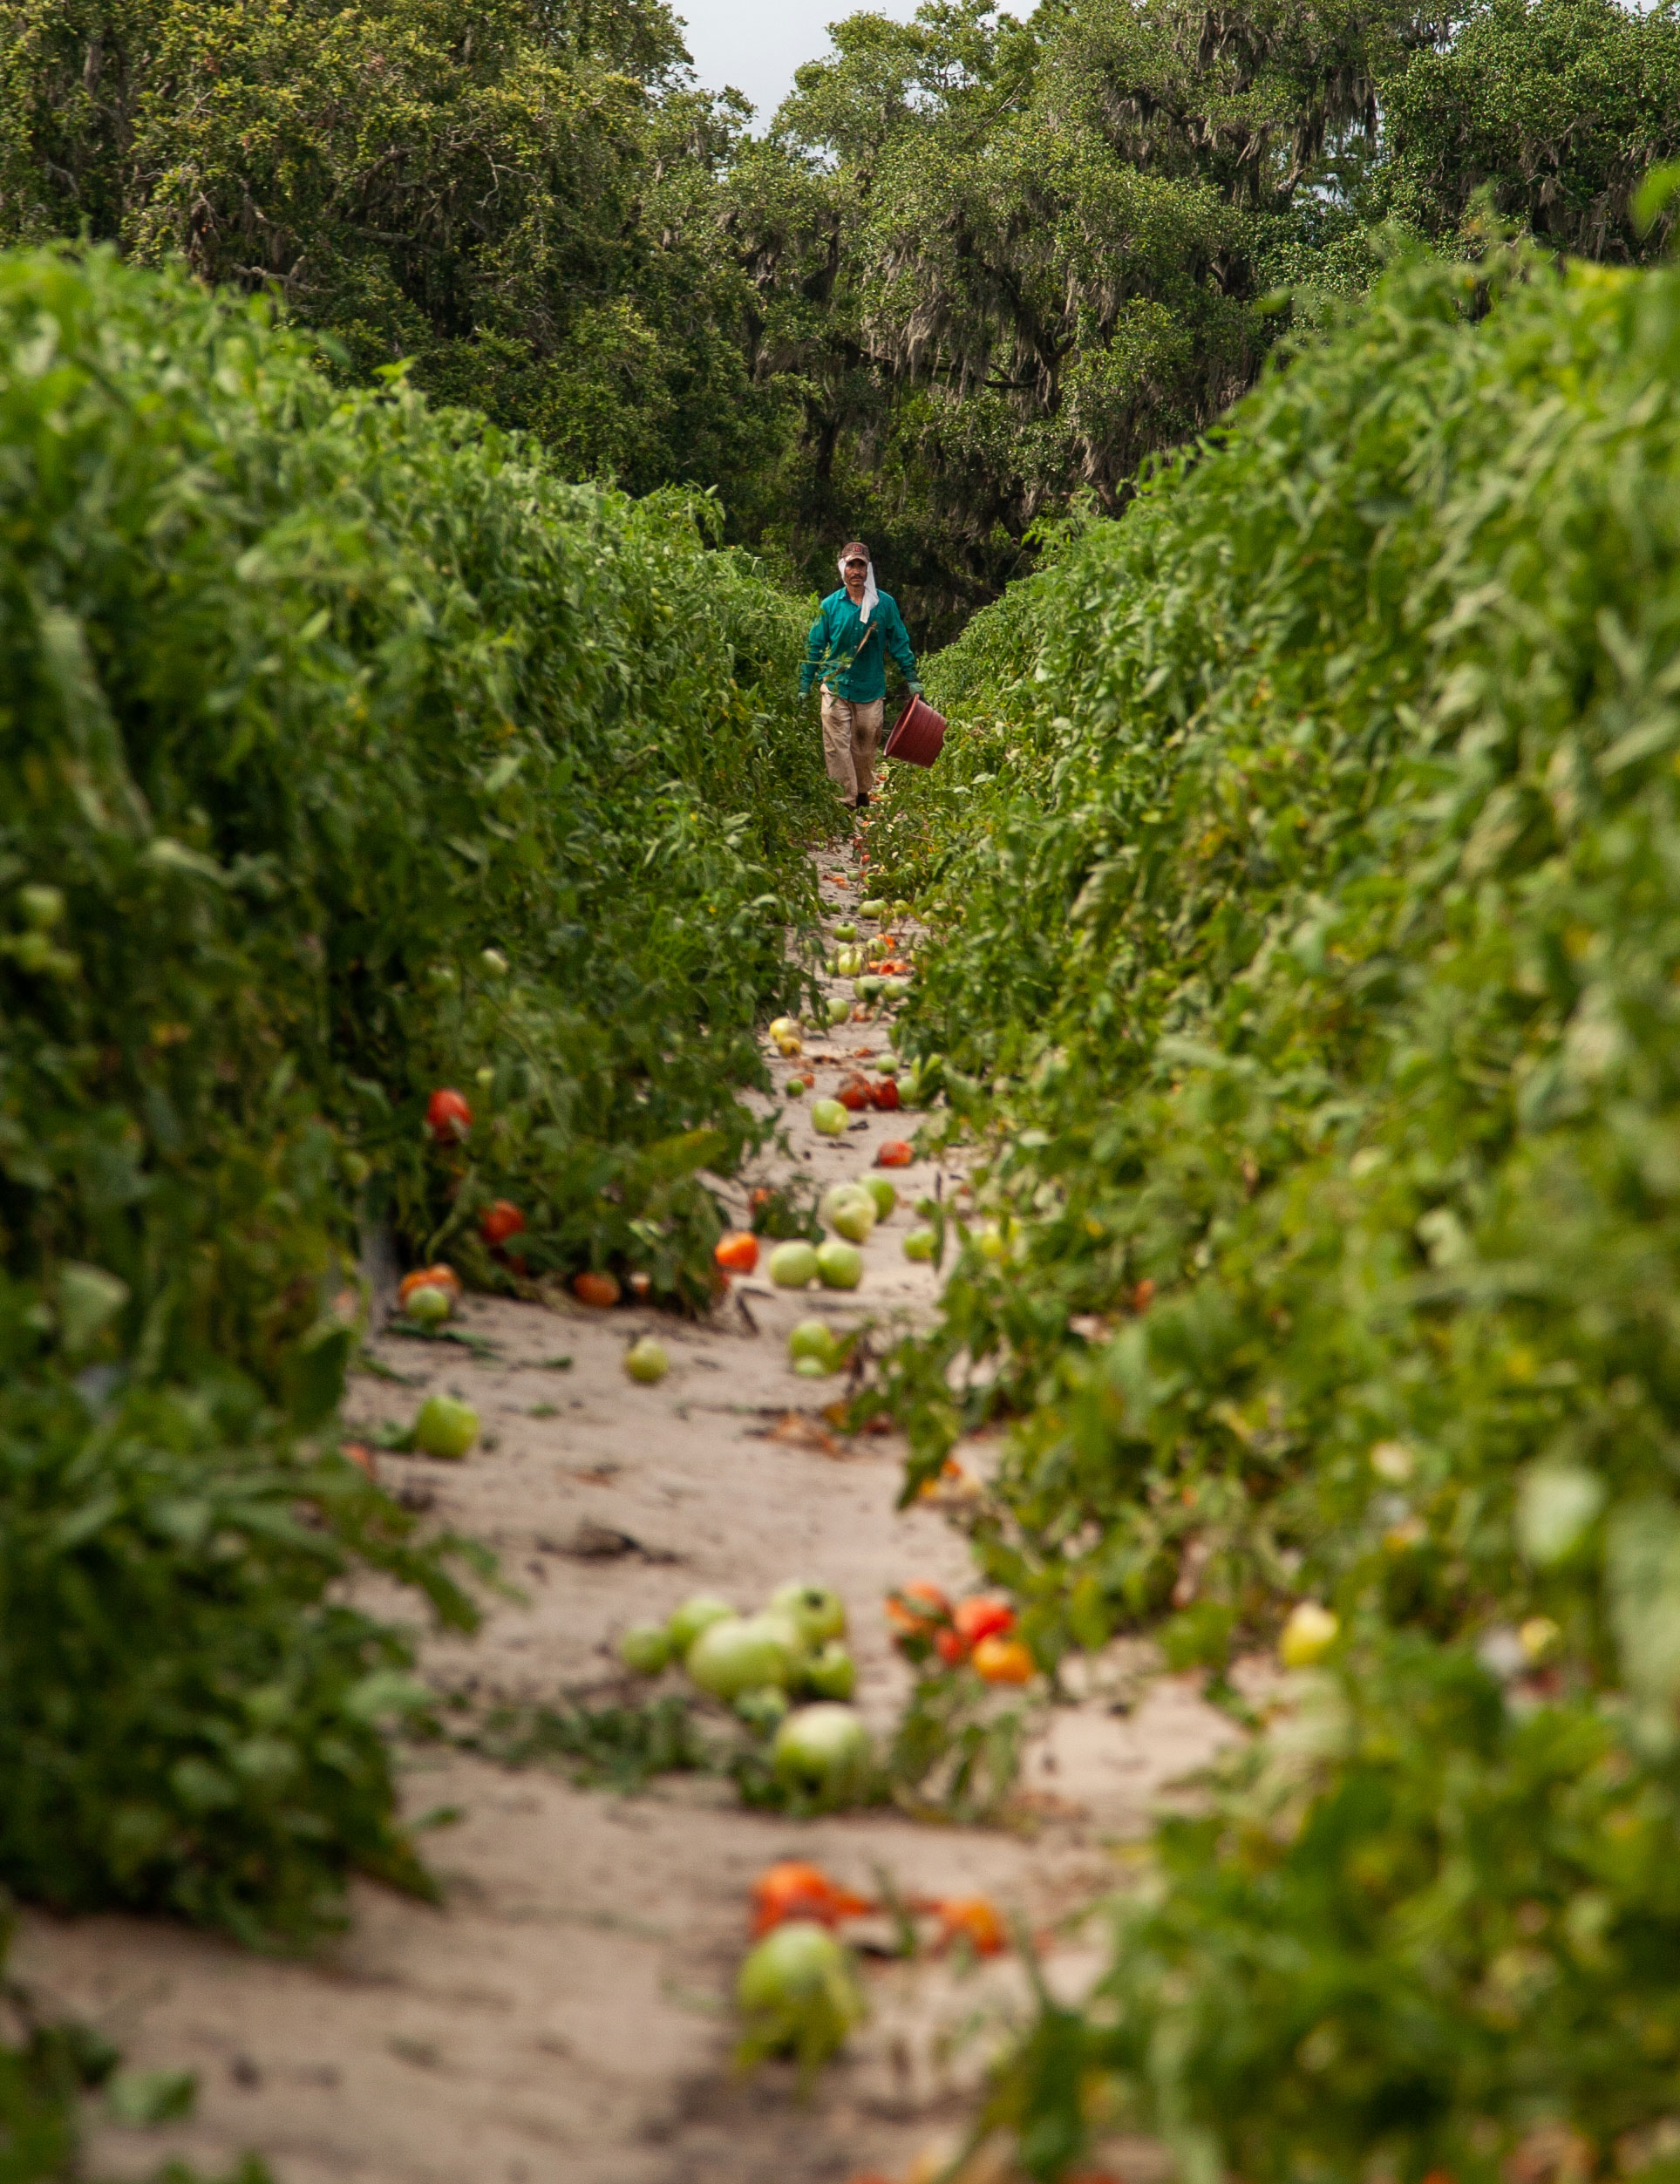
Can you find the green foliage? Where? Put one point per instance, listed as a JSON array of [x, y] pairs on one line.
[[474, 190], [1309, 972], [308, 701]]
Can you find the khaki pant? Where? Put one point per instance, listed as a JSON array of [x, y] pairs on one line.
[[850, 734]]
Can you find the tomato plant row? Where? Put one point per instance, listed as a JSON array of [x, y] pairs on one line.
[[350, 753], [1309, 972]]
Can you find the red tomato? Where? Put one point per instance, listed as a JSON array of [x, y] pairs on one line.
[[950, 1649], [599, 1289], [1004, 1661], [853, 1093], [447, 1116], [973, 1919], [500, 1221], [886, 1095], [738, 1253], [793, 1889], [983, 1617], [893, 1153]]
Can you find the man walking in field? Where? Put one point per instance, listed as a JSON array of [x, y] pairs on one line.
[[846, 652]]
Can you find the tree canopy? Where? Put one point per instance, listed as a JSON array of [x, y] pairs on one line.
[[975, 270]]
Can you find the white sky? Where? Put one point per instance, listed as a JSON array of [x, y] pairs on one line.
[[756, 44]]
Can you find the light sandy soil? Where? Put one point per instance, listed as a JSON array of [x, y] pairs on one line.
[[563, 2018]]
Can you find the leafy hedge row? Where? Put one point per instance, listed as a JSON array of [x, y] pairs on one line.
[[348, 753], [1311, 966]]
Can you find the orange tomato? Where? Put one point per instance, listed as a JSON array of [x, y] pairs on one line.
[[973, 1919], [893, 1153], [360, 1454], [498, 1221], [738, 1253], [917, 1609], [1004, 1661], [983, 1615], [600, 1290], [793, 1889], [853, 1093], [438, 1277], [886, 1095]]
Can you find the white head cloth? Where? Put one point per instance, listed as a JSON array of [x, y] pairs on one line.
[[870, 595]]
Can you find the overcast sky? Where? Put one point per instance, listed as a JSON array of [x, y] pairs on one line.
[[756, 44]]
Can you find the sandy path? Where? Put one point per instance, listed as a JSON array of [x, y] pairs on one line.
[[562, 2019]]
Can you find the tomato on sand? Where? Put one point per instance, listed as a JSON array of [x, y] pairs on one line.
[[600, 1290], [446, 1428], [972, 1919], [793, 1889], [437, 1278], [1004, 1661], [854, 1093], [982, 1615], [501, 1221], [738, 1252], [893, 1153], [646, 1360], [447, 1116], [429, 1305], [886, 1095]]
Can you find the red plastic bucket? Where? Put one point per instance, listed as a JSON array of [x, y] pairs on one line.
[[918, 734]]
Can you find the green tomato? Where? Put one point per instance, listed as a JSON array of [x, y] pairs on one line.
[[446, 1428], [868, 988], [428, 1306], [894, 989], [829, 1119], [838, 1010], [824, 1751], [691, 1618], [830, 1672], [813, 1338], [646, 1648], [846, 932], [874, 909], [742, 1653], [815, 1368], [901, 908], [839, 1265], [799, 1991], [919, 1245], [646, 1360], [885, 1196], [793, 1266], [794, 1088], [817, 1614], [494, 962], [855, 1219]]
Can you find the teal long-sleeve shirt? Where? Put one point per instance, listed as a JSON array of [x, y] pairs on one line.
[[849, 654]]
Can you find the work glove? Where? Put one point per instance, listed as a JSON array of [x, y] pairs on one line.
[[915, 688]]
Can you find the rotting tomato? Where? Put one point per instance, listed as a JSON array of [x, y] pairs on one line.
[[853, 1093], [793, 1889], [886, 1095], [601, 1290], [738, 1252], [893, 1153], [498, 1221], [447, 1116]]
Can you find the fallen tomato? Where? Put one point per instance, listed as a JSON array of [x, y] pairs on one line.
[[886, 1095], [498, 1221], [601, 1290], [982, 1615], [446, 1428], [1004, 1661], [738, 1252], [438, 1277], [854, 1093], [972, 1919], [447, 1116], [793, 1889], [893, 1153]]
